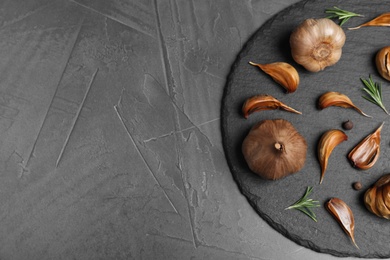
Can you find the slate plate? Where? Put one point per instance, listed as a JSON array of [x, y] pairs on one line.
[[269, 198]]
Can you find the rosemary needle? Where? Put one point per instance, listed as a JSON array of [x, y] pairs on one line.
[[305, 204], [341, 14], [374, 90]]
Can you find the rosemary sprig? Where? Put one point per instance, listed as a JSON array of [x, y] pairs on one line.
[[340, 14], [305, 204], [374, 90]]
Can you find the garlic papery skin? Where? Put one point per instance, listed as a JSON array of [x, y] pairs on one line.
[[317, 43], [382, 61]]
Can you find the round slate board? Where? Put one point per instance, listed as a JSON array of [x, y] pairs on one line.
[[269, 198]]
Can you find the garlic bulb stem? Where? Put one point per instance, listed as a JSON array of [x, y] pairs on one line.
[[279, 147]]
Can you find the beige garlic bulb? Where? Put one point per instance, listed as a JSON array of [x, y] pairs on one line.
[[274, 149], [317, 43]]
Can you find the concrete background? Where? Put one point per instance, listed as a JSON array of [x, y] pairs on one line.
[[110, 131]]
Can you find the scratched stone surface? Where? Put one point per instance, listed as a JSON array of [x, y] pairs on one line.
[[110, 140]]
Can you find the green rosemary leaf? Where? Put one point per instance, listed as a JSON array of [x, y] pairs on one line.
[[369, 99], [340, 14], [374, 91], [344, 20], [304, 204], [308, 212]]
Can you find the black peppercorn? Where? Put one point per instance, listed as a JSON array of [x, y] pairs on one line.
[[347, 125], [357, 185]]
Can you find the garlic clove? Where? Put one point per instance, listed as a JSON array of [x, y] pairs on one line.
[[381, 20], [370, 200], [329, 140], [343, 215], [264, 102], [338, 99], [274, 149], [386, 195], [317, 43], [382, 61], [366, 153], [377, 197], [281, 72], [381, 205]]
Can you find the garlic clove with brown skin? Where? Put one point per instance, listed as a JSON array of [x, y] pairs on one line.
[[317, 43], [380, 20], [343, 215], [370, 200], [386, 195], [264, 102], [328, 141], [381, 204], [281, 72], [377, 197], [366, 153], [338, 99], [273, 149], [382, 61]]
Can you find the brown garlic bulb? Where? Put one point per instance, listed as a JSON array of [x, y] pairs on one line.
[[377, 197], [382, 61], [274, 149], [317, 43]]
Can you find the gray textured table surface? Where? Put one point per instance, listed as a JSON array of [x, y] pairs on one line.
[[110, 131]]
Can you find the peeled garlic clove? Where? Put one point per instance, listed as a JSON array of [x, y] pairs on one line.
[[329, 140], [338, 99], [274, 149], [365, 154], [377, 197], [264, 102], [343, 215], [381, 20], [317, 43], [382, 61], [283, 73]]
